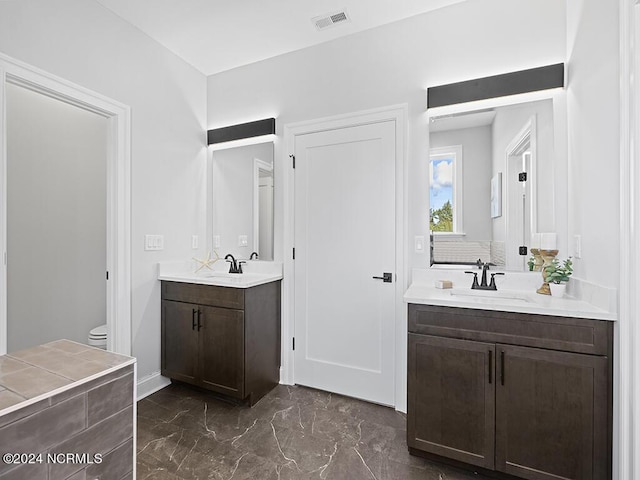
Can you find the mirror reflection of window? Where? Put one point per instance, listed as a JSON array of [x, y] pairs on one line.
[[445, 200], [441, 195]]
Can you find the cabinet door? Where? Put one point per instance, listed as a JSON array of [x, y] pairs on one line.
[[451, 404], [222, 350], [551, 414], [179, 341]]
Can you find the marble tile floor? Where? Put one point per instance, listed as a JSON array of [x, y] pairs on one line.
[[292, 433]]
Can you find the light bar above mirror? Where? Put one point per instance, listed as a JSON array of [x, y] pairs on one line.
[[258, 128], [513, 83]]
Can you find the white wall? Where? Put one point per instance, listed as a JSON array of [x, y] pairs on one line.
[[593, 108], [82, 42], [56, 214], [391, 65], [593, 116], [476, 177]]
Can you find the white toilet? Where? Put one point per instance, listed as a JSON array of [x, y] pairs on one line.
[[98, 337]]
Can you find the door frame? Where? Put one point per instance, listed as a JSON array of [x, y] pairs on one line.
[[118, 118], [529, 130], [626, 421], [398, 114]]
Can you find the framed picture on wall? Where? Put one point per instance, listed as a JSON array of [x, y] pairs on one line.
[[496, 195]]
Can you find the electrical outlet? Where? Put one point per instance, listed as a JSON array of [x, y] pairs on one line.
[[194, 241], [243, 241], [154, 242]]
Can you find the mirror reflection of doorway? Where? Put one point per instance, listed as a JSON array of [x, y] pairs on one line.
[[521, 160], [263, 209], [56, 219]]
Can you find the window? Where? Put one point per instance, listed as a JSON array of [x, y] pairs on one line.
[[445, 189]]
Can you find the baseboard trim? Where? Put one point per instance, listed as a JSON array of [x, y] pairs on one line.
[[283, 380], [151, 384]]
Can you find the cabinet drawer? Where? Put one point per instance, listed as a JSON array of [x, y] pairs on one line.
[[556, 333], [212, 295]]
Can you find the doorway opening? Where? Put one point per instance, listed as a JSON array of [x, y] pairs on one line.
[[56, 220], [116, 117]]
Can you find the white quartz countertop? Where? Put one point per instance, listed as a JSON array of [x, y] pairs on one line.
[[519, 296], [254, 273]]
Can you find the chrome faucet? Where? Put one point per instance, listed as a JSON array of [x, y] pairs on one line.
[[483, 282]]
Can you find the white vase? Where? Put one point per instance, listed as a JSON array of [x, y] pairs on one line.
[[558, 289]]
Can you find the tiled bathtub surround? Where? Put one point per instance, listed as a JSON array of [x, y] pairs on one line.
[[291, 433], [454, 249], [67, 398]]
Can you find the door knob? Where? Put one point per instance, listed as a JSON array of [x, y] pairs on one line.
[[386, 277]]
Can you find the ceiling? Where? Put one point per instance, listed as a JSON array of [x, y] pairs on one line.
[[218, 35]]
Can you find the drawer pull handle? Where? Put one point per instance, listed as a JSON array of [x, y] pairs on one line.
[[193, 319], [502, 367], [490, 365]]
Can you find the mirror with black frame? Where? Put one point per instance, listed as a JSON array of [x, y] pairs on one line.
[[242, 201], [491, 179]]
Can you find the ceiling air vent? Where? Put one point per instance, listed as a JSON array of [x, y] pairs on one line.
[[330, 19]]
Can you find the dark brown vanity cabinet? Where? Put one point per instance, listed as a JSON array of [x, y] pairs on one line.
[[221, 338], [451, 400], [526, 395]]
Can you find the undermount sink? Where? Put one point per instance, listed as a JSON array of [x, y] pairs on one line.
[[258, 273], [491, 296], [233, 276]]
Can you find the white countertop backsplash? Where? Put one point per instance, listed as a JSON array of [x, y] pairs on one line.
[[255, 272], [516, 293]]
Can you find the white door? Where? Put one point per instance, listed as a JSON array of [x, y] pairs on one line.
[[344, 236]]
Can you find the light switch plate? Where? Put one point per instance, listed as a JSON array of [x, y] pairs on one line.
[[194, 241], [418, 242], [243, 241], [154, 242], [577, 246]]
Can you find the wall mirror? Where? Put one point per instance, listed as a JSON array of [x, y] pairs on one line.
[[491, 178], [492, 166], [242, 197]]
